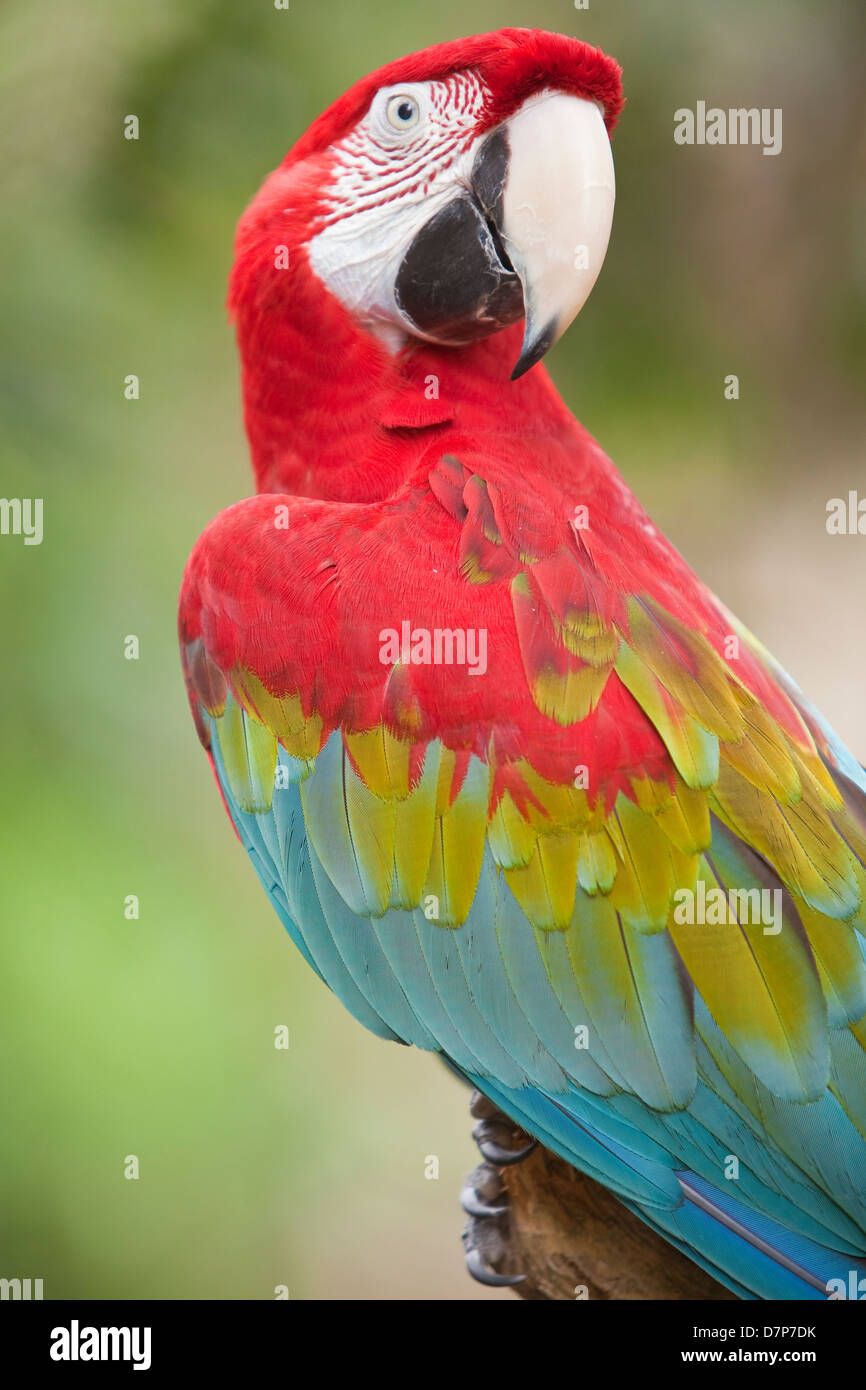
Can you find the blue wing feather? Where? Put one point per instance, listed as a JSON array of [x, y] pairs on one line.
[[506, 1019]]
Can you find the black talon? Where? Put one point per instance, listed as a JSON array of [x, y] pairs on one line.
[[498, 1153], [474, 1206], [504, 1158], [481, 1271]]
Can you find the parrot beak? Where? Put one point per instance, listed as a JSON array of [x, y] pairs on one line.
[[556, 212], [524, 236]]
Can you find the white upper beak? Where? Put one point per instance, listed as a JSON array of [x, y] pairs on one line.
[[557, 211]]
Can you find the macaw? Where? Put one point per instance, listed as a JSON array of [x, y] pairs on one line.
[[521, 789]]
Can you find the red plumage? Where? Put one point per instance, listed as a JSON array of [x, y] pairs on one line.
[[305, 607], [332, 414]]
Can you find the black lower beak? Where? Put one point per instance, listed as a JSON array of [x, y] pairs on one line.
[[456, 283]]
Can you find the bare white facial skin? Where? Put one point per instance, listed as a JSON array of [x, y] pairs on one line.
[[391, 178]]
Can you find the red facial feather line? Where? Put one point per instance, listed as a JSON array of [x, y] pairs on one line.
[[368, 171]]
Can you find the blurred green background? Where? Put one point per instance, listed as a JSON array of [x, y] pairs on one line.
[[154, 1037]]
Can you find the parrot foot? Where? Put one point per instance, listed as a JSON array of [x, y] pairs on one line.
[[484, 1198], [484, 1240], [493, 1132]]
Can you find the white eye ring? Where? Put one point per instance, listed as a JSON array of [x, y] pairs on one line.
[[403, 111]]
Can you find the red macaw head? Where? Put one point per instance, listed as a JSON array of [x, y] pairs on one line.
[[449, 194]]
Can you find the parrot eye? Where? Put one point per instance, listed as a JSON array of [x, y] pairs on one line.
[[403, 112]]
